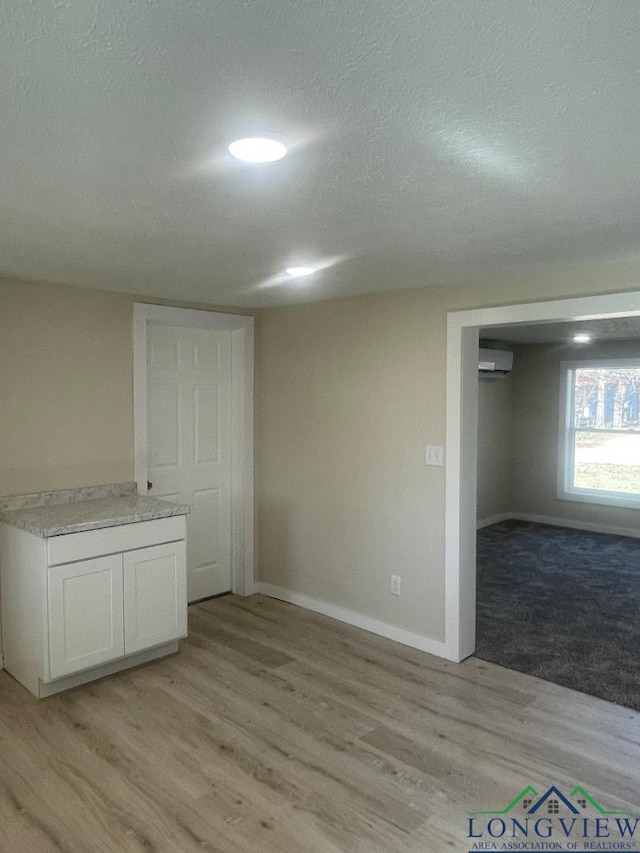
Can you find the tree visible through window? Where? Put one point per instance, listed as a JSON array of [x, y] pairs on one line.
[[602, 430]]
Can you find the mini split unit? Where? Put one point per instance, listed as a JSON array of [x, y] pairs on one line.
[[494, 362]]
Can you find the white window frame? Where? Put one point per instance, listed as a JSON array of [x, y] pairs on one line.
[[566, 491]]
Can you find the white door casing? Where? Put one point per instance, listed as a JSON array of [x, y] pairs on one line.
[[189, 443], [216, 374]]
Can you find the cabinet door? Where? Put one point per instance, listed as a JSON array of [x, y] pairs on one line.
[[85, 614], [155, 596]]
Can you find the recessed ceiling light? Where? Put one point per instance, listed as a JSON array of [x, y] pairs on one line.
[[299, 272], [257, 149], [581, 338]]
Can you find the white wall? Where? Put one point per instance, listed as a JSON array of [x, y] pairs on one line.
[[495, 446]]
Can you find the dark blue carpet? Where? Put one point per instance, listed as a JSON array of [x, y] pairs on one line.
[[563, 605]]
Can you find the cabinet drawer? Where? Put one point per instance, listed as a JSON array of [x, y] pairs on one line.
[[110, 540]]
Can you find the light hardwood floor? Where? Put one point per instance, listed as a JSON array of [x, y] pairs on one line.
[[276, 729]]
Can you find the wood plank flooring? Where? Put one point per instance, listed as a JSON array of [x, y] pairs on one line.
[[276, 729]]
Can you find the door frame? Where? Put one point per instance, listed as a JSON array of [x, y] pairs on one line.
[[242, 383], [462, 440]]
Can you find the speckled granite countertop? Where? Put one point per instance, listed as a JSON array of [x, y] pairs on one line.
[[74, 516]]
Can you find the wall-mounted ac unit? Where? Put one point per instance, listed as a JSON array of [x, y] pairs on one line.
[[494, 362]]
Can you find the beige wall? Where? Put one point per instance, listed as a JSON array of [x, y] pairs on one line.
[[66, 386], [348, 397], [65, 363], [495, 446], [536, 399], [348, 393]]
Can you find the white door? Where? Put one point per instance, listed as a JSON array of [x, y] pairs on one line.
[[189, 443], [155, 596], [85, 614]]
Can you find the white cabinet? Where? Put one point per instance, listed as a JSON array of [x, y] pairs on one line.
[[82, 605], [86, 609], [155, 592]]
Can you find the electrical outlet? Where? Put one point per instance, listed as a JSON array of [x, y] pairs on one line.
[[396, 583], [434, 455]]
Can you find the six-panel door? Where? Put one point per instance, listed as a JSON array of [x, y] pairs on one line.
[[155, 596], [85, 614], [189, 443]]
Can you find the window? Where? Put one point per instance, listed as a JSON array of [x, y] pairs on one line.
[[599, 436]]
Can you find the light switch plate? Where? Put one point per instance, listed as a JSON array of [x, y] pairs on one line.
[[434, 455]]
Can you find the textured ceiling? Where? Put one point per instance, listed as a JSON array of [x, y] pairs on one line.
[[609, 329], [432, 141]]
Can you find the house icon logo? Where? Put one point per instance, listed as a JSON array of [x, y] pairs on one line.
[[556, 819], [530, 802]]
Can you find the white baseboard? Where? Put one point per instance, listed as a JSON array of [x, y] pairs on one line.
[[494, 519], [359, 620], [409, 638], [577, 525], [590, 527]]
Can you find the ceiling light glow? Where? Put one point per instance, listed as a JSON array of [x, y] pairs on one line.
[[257, 149], [581, 338], [299, 272]]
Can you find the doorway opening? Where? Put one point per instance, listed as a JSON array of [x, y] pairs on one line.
[[462, 438], [558, 547]]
